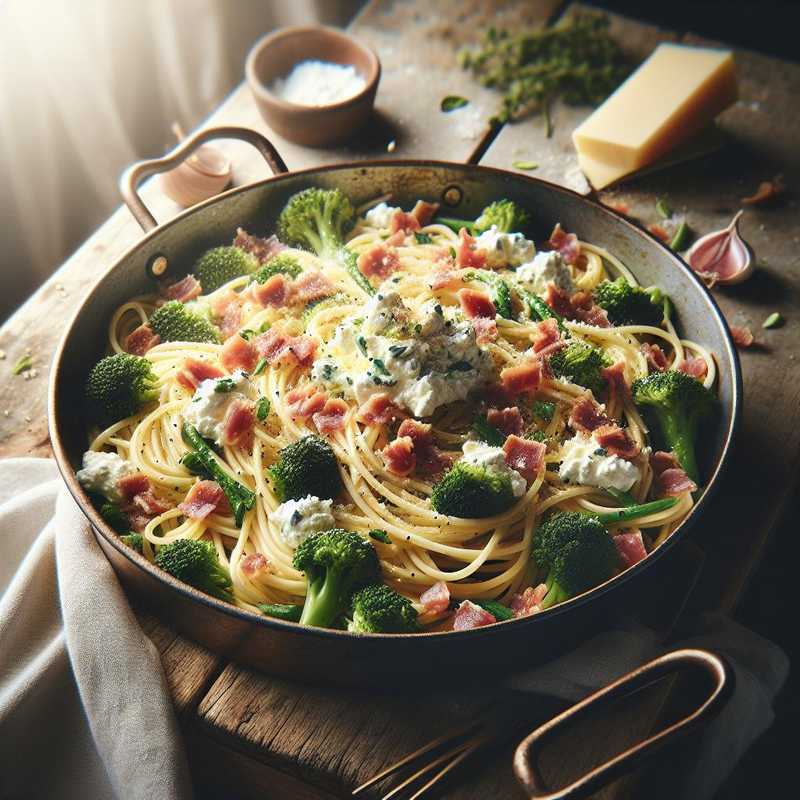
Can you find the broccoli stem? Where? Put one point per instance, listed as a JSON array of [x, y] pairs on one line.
[[501, 293], [456, 224], [538, 309], [323, 600], [240, 497], [555, 594], [678, 433], [626, 498], [497, 610], [634, 512], [351, 265], [284, 611]]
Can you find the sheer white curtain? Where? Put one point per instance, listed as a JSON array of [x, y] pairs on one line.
[[87, 86]]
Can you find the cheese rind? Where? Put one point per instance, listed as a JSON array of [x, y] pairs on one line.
[[676, 93]]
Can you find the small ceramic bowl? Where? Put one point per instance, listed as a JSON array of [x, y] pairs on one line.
[[274, 56]]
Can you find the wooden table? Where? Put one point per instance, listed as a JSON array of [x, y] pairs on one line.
[[253, 736]]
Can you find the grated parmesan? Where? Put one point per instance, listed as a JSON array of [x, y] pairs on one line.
[[318, 83]]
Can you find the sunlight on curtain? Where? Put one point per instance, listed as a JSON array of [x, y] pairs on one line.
[[87, 86]]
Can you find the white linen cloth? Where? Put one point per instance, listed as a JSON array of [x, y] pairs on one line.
[[84, 707]]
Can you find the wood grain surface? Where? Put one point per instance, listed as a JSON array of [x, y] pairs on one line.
[[282, 740]]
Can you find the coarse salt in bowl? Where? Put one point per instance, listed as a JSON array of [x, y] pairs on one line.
[[313, 85]]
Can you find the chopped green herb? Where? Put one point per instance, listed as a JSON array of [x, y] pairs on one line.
[[362, 344], [487, 432], [526, 165], [601, 451], [262, 409], [452, 102], [264, 327], [381, 536], [23, 365], [663, 208], [774, 320], [536, 436], [452, 252], [247, 334], [681, 238], [380, 366], [224, 385], [398, 350], [544, 410], [422, 238], [500, 612], [260, 367]]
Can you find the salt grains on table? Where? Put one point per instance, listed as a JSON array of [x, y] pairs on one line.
[[318, 83]]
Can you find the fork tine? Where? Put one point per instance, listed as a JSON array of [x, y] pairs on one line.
[[473, 745], [413, 756], [427, 768]]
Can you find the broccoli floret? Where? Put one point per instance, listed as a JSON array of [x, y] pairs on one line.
[[379, 609], [133, 540], [307, 466], [119, 386], [508, 216], [195, 562], [285, 611], [581, 363], [282, 264], [471, 491], [222, 264], [679, 401], [500, 291], [336, 563], [115, 517], [487, 432], [578, 553], [626, 304], [317, 220], [176, 322]]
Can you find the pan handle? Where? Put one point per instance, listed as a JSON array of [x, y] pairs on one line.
[[526, 756], [135, 173]]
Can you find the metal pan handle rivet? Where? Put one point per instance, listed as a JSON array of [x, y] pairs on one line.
[[157, 265], [452, 195], [526, 756]]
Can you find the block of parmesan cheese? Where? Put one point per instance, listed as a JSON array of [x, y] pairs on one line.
[[674, 95]]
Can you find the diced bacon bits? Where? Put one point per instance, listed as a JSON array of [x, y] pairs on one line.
[[506, 420], [184, 290], [696, 367], [429, 458], [444, 277], [529, 601], [615, 378], [140, 340], [656, 357], [238, 354], [311, 286], [546, 335], [469, 615], [330, 418], [378, 410], [565, 243], [485, 329], [278, 347], [424, 212], [468, 255], [399, 456], [305, 401], [586, 415], [193, 372], [273, 292], [617, 442], [262, 249], [402, 221], [379, 260], [203, 499], [630, 547], [131, 485], [139, 501], [742, 336], [436, 599], [524, 455], [238, 424], [397, 239], [255, 565], [579, 307], [227, 310], [523, 378], [669, 478], [476, 304]]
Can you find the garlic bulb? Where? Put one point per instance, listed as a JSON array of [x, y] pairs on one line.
[[722, 256]]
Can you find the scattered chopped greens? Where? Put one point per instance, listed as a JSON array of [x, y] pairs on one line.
[[224, 385], [526, 165], [544, 410], [380, 366], [497, 610], [536, 436], [247, 334], [774, 320], [422, 238], [452, 102], [487, 432], [381, 536], [260, 367], [577, 61], [23, 365], [362, 344], [663, 208], [262, 409], [681, 238]]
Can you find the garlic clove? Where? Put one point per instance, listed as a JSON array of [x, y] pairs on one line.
[[723, 256]]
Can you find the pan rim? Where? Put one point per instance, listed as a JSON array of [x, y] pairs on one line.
[[243, 615]]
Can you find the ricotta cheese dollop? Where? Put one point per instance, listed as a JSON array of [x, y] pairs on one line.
[[586, 463], [206, 410], [380, 215], [298, 519], [101, 473], [546, 267], [494, 460], [505, 249]]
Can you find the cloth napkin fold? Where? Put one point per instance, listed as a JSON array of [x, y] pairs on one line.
[[84, 707]]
